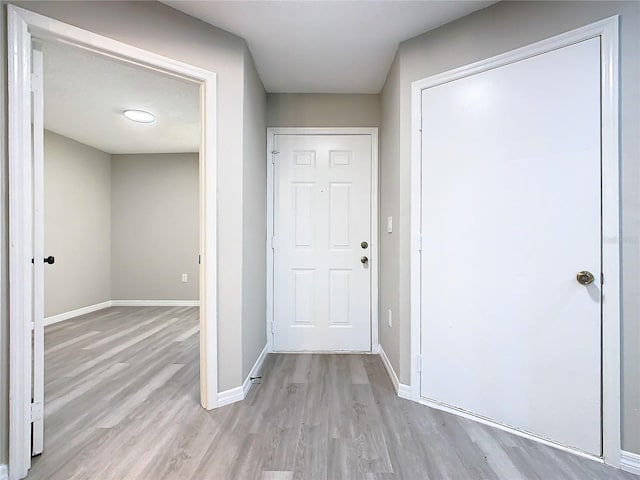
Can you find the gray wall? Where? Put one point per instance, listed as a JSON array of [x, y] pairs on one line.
[[77, 224], [154, 226], [254, 218], [389, 283], [494, 30], [322, 110]]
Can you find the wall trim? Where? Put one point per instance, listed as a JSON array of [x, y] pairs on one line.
[[76, 313], [404, 391], [22, 24], [608, 32], [4, 472], [257, 366], [230, 396], [630, 462], [118, 303], [237, 394], [272, 132], [389, 368], [155, 303]]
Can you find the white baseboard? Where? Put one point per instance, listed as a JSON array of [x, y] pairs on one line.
[[238, 394], [630, 462], [118, 303], [404, 391], [4, 472], [246, 385], [155, 303], [232, 395], [75, 313], [389, 368]]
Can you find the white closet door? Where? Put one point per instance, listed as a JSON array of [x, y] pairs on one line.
[[511, 212]]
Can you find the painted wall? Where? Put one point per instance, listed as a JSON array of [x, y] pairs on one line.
[[77, 224], [154, 226], [254, 218], [500, 28], [322, 110], [389, 283]]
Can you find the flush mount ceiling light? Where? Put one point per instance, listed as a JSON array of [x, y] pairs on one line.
[[139, 116]]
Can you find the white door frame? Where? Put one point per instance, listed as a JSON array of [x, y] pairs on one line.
[[607, 30], [271, 159], [22, 26]]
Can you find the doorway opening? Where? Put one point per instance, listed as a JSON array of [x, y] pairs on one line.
[[24, 29]]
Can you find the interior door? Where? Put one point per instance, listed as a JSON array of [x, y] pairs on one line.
[[511, 213], [322, 237], [37, 406]]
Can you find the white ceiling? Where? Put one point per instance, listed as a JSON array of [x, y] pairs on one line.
[[326, 46], [85, 94], [298, 47]]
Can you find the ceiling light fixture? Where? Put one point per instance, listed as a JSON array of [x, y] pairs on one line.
[[139, 116]]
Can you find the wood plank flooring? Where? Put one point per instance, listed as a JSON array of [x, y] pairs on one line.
[[122, 402]]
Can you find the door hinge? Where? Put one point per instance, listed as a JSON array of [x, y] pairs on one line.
[[419, 363], [419, 242], [272, 332], [601, 278], [273, 243], [33, 326], [273, 156], [36, 412]]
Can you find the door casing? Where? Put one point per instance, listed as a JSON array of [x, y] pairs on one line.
[[271, 158], [22, 26], [607, 30]]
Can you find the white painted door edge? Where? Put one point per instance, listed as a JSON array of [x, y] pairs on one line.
[[4, 472], [607, 30], [375, 234], [22, 24]]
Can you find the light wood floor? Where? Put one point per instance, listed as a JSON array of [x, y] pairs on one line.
[[122, 403]]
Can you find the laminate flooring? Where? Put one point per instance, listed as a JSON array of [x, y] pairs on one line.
[[122, 402]]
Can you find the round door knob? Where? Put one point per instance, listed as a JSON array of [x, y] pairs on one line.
[[585, 278], [364, 260]]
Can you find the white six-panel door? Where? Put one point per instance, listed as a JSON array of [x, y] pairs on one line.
[[511, 212], [322, 216]]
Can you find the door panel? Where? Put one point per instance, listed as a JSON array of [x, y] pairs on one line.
[[510, 214], [37, 439], [322, 212]]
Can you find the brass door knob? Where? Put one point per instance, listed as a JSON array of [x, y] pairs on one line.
[[585, 278], [364, 260]]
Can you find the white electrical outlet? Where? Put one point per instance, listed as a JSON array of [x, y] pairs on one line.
[[185, 278], [389, 224], [390, 318]]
